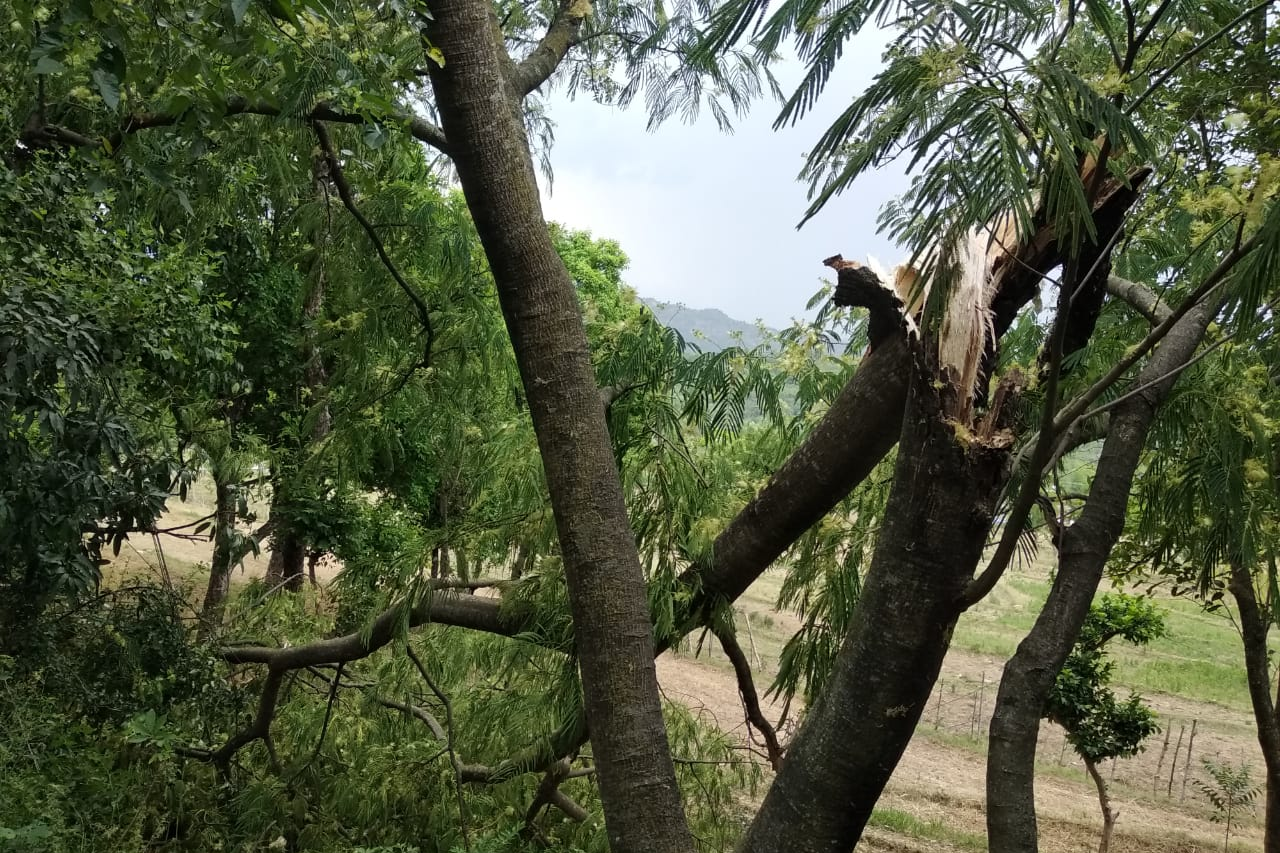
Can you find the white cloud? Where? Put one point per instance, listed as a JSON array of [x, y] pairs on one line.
[[709, 218]]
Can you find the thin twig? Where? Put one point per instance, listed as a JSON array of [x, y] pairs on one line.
[[453, 757], [348, 201]]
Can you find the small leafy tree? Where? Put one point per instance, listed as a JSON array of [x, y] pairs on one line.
[[1231, 788], [1099, 725]]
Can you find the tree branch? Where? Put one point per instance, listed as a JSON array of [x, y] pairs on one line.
[[349, 202], [1140, 298], [444, 608], [1080, 404], [453, 755], [562, 34], [42, 135], [750, 699]]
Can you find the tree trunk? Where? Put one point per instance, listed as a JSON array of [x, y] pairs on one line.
[[479, 106], [1108, 816], [1254, 625], [933, 533], [862, 425], [524, 558], [1085, 546], [215, 596], [286, 568]]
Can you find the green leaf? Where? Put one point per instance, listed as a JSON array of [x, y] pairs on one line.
[[49, 65], [283, 10], [238, 8]]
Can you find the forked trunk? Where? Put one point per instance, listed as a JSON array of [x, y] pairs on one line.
[[1085, 546], [480, 108], [934, 530]]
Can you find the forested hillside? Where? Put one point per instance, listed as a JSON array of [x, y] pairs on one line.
[[708, 328], [350, 505]]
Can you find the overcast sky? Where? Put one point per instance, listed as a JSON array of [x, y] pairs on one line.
[[708, 219]]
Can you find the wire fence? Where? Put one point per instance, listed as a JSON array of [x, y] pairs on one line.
[[1169, 767]]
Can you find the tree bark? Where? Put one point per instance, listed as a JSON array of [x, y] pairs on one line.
[[286, 568], [1085, 546], [862, 425], [933, 533], [480, 108], [1104, 802], [1254, 626], [215, 596]]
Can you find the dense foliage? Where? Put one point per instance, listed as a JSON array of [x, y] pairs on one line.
[[239, 267]]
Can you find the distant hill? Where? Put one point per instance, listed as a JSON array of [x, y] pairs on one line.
[[709, 328]]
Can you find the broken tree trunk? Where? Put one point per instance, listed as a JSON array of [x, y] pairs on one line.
[[933, 533]]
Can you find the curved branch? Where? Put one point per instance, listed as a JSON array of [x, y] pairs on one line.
[[1140, 298], [444, 608], [42, 135], [541, 63], [349, 202], [750, 699]]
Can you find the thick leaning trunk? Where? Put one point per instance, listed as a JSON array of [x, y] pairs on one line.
[[1082, 556], [935, 527], [1254, 625], [215, 596], [479, 106], [860, 428]]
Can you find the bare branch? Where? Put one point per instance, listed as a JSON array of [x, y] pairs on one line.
[[1140, 298], [349, 202], [442, 608], [453, 755], [1191, 54], [42, 135], [549, 794], [541, 63], [747, 691]]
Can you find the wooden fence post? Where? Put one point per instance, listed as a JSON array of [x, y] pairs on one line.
[[1186, 766]]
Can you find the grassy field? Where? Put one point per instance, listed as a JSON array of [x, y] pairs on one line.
[[1199, 658]]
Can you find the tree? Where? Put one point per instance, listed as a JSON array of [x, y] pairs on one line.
[[1213, 473], [1035, 135], [84, 327], [1098, 725], [1230, 789]]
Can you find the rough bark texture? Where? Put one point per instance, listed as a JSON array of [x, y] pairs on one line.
[[479, 106], [1085, 547], [861, 426], [215, 596], [935, 526], [1253, 629]]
